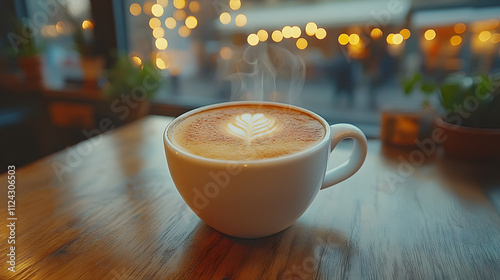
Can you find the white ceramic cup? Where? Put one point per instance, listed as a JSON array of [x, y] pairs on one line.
[[257, 198]]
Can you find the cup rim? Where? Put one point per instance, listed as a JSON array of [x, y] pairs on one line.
[[326, 137]]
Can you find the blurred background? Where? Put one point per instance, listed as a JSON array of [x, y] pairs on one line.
[[71, 69]]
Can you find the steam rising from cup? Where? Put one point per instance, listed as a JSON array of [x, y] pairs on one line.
[[267, 73]]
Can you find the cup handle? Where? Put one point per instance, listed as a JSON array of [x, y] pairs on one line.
[[356, 159]]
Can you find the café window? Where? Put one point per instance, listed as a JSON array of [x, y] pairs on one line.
[[355, 53]]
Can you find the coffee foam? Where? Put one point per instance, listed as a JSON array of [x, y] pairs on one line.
[[246, 132]]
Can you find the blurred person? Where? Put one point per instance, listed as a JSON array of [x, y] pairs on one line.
[[341, 73]]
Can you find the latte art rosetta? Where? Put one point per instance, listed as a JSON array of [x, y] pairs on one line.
[[251, 126]]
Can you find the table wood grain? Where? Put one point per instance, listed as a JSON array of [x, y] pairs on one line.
[[114, 213]]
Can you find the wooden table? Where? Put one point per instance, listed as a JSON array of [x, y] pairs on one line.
[[107, 209]]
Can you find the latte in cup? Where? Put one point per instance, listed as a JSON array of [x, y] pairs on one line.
[[247, 132]]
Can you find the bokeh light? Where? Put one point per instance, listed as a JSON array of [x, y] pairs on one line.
[[287, 32], [158, 32], [170, 23], [240, 20], [455, 40], [154, 22], [179, 4], [389, 38], [343, 39], [484, 36], [160, 63], [405, 32], [301, 43], [397, 39], [184, 31], [194, 6], [277, 36], [163, 3], [320, 33], [135, 9], [311, 28], [180, 15], [296, 32], [226, 53], [353, 39], [429, 34], [191, 22], [137, 61], [157, 10], [376, 33], [253, 39], [87, 24], [225, 18], [460, 28], [234, 4], [161, 43], [146, 7], [263, 35]]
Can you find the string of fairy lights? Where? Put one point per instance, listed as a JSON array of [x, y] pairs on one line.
[[184, 18]]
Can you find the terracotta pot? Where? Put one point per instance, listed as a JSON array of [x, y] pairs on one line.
[[92, 68], [470, 142], [32, 68]]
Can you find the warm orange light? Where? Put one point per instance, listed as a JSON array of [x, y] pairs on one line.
[[170, 23], [225, 18], [147, 6], [460, 28], [179, 4], [320, 33], [287, 31], [137, 61], [60, 27], [163, 3], [253, 39], [226, 53], [405, 32], [376, 33], [389, 38], [301, 43], [191, 22], [397, 39], [455, 40], [184, 31], [135, 9], [157, 10], [194, 6], [87, 24], [495, 38], [234, 4], [161, 43], [240, 20], [154, 23], [353, 39], [263, 35], [343, 39], [158, 32], [277, 36], [296, 32], [484, 36], [429, 34], [311, 28], [160, 63], [180, 15]]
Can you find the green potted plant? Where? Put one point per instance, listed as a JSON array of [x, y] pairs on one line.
[[28, 55], [130, 86], [469, 107]]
